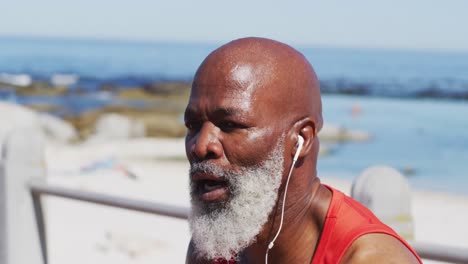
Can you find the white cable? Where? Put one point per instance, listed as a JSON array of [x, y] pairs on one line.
[[272, 243]]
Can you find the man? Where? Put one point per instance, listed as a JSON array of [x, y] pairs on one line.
[[250, 101]]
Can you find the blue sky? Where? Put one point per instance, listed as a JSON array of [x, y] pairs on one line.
[[417, 24]]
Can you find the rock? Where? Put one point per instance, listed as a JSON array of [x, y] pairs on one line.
[[16, 79], [14, 116], [50, 127], [56, 129], [326, 149], [331, 133], [167, 88], [335, 133], [64, 79], [115, 127], [357, 135]]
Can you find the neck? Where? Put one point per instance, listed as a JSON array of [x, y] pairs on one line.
[[305, 210]]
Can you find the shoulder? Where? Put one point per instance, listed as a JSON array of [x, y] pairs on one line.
[[378, 248]]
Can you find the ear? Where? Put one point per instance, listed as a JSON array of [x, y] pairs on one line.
[[307, 129]]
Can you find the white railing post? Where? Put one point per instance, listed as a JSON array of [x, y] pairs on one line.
[[386, 192], [22, 159]]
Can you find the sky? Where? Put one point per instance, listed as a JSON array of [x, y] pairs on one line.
[[397, 24]]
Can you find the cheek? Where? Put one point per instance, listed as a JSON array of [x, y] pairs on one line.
[[251, 149]]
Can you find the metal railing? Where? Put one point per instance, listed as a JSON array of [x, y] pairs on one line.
[[441, 253], [425, 250], [39, 188]]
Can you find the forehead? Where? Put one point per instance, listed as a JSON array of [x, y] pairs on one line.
[[211, 97], [234, 87]]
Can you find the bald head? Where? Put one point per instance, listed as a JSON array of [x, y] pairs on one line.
[[250, 101], [250, 92], [268, 71]]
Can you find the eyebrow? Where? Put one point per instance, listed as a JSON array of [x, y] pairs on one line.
[[230, 111], [221, 111]]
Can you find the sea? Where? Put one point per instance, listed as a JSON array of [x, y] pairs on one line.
[[413, 103]]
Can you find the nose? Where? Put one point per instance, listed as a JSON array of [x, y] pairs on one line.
[[206, 144]]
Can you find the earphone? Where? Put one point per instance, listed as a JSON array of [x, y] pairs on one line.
[[300, 143]]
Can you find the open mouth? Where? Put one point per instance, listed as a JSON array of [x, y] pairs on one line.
[[210, 188]]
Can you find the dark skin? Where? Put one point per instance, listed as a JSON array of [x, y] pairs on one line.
[[247, 94]]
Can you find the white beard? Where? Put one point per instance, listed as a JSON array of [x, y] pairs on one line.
[[227, 229]]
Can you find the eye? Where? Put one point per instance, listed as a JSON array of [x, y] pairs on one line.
[[227, 126], [192, 126]]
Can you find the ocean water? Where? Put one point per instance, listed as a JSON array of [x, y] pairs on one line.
[[101, 60], [413, 103], [427, 136], [388, 73]]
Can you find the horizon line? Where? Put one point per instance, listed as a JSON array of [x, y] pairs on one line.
[[218, 43]]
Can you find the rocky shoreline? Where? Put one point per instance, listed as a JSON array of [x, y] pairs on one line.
[[114, 112], [157, 106]]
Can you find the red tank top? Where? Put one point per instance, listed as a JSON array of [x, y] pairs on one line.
[[346, 221]]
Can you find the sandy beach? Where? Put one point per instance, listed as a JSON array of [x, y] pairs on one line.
[[80, 232]]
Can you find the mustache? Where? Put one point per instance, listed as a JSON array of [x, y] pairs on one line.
[[209, 168]]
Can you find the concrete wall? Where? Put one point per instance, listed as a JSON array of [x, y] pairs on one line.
[[22, 159]]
